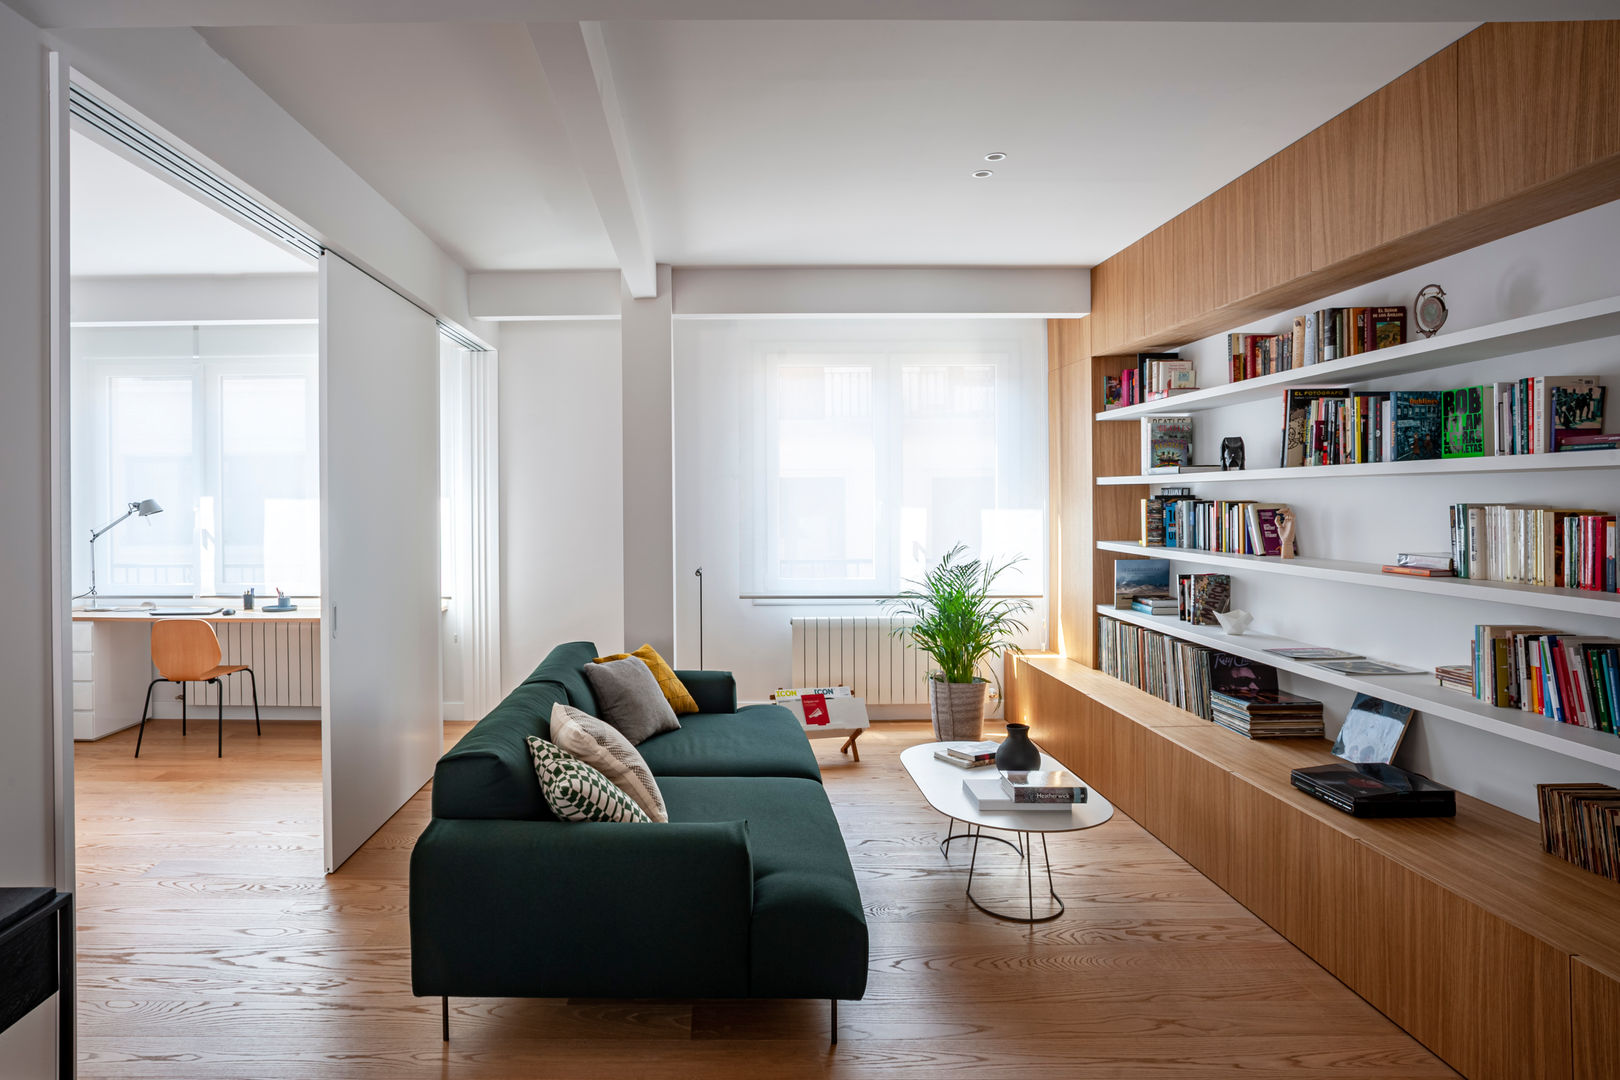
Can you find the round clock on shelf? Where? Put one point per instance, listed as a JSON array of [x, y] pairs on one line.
[[1429, 309]]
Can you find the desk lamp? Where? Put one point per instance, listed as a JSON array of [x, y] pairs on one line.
[[145, 508]]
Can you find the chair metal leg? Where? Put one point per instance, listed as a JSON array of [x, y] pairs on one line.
[[253, 680], [834, 1003], [444, 1015], [182, 709], [219, 693], [144, 710]]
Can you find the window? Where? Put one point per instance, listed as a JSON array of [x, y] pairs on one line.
[[872, 449], [219, 424]]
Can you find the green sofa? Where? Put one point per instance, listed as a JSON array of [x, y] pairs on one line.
[[747, 892]]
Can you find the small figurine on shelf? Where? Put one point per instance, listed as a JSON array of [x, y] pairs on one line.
[[1232, 454], [1285, 532]]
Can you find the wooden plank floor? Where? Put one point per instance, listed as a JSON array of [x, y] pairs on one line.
[[212, 945]]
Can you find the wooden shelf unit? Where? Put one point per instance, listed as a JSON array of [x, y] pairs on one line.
[[1507, 463], [1510, 337], [1503, 960], [1419, 691], [1370, 575]]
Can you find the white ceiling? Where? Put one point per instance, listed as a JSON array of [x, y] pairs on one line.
[[451, 122], [854, 143], [125, 221], [824, 142]]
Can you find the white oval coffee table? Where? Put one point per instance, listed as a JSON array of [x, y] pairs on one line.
[[941, 785]]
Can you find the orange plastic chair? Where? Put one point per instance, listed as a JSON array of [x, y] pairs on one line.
[[187, 651]]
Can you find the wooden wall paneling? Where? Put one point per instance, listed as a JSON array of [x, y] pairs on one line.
[[1115, 511], [1193, 249], [1536, 101], [1594, 1035], [1069, 410]]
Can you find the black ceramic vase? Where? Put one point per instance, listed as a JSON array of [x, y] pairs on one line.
[[1017, 753]]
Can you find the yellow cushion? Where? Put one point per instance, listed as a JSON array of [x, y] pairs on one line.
[[680, 699]]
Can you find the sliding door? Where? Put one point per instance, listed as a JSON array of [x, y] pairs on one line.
[[382, 728]]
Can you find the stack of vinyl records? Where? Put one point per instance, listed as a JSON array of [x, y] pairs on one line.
[[1268, 714]]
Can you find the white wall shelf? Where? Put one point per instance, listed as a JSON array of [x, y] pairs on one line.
[[1546, 330], [1569, 601], [1515, 463], [1419, 691]]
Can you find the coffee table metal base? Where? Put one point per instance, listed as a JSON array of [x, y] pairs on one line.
[[945, 844], [1027, 853]]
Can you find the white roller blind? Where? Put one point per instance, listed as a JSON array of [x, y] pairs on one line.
[[868, 448]]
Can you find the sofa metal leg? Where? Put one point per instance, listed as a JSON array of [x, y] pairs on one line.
[[444, 1016], [834, 1003]]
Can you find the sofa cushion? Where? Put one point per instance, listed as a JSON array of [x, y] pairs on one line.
[[628, 697], [599, 745], [488, 774], [675, 692], [756, 740], [808, 932], [565, 666], [576, 791]]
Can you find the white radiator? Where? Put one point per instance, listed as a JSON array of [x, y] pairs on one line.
[[862, 653], [285, 658]]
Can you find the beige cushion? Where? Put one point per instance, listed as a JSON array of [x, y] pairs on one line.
[[601, 746]]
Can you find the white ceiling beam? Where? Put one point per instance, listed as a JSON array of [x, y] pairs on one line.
[[574, 60], [1043, 292], [66, 14]]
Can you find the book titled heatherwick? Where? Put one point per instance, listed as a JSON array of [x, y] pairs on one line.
[[986, 794], [1046, 786]]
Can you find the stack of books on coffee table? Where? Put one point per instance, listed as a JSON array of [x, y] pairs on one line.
[[1054, 790], [968, 755]]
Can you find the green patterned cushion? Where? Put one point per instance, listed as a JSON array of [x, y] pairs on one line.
[[577, 792]]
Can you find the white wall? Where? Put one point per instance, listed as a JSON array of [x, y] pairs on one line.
[[1370, 519], [561, 486], [29, 829]]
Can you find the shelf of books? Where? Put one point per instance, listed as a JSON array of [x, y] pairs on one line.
[[1506, 463], [1576, 601], [1415, 690], [1549, 329]]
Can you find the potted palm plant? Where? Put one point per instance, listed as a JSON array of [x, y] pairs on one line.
[[959, 622]]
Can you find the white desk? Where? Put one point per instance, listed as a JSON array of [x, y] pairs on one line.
[[112, 665]]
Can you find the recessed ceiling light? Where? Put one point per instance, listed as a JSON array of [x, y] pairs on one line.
[[998, 156], [982, 173]]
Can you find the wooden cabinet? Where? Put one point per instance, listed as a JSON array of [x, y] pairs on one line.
[[1537, 101], [1514, 125], [1381, 170], [1594, 1005], [1459, 930]]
